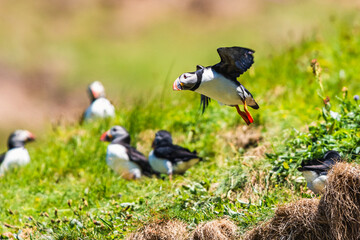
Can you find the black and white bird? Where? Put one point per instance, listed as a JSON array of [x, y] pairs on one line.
[[219, 81], [121, 157], [16, 155], [100, 107], [168, 158], [315, 171]]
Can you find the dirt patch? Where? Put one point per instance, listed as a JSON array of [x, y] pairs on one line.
[[243, 137]]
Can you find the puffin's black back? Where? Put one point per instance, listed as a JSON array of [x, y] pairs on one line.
[[321, 165], [164, 148], [234, 61]]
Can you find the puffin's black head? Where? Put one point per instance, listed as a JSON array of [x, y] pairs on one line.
[[116, 134], [19, 138], [332, 155], [96, 90], [162, 137], [189, 80]]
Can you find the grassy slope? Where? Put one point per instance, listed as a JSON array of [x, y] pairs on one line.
[[69, 162]]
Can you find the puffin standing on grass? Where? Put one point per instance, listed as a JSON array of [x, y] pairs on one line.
[[219, 81], [169, 158], [100, 107], [123, 158], [17, 155], [315, 171]]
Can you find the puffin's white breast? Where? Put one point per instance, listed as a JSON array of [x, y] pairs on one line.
[[160, 165], [100, 108], [118, 160], [315, 182], [15, 157], [217, 87]]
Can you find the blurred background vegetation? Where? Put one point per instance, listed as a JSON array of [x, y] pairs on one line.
[[51, 50]]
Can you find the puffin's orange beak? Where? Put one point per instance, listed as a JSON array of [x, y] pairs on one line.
[[177, 85], [95, 94], [105, 136], [31, 136]]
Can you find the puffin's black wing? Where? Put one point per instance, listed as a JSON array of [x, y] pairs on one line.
[[175, 153], [139, 158], [204, 102], [317, 166], [234, 61], [2, 157]]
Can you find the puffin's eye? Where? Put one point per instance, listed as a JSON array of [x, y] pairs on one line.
[[185, 76]]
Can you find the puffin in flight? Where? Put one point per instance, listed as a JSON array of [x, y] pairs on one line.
[[16, 155], [219, 81], [315, 171], [121, 157], [169, 158], [100, 107]]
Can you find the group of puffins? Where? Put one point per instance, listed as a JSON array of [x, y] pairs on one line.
[[218, 82]]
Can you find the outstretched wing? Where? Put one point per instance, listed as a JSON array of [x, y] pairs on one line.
[[175, 153], [139, 158], [204, 102], [234, 61]]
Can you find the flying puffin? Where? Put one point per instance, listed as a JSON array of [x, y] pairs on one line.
[[169, 158], [123, 158], [16, 155], [219, 81], [100, 107], [315, 171]]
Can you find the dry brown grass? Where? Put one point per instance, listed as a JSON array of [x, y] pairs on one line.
[[341, 201], [161, 230], [222, 229], [298, 220], [335, 216]]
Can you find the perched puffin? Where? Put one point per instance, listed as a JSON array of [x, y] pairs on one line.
[[16, 155], [219, 81], [169, 158], [123, 158], [100, 107], [315, 171]]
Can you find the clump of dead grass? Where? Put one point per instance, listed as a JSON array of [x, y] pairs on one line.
[[221, 229], [161, 230], [341, 201], [298, 220], [336, 216]]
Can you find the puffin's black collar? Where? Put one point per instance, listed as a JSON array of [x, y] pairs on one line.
[[199, 74]]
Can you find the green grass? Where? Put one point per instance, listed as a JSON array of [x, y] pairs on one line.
[[68, 163]]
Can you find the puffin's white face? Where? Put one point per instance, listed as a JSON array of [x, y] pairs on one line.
[[186, 81], [19, 138], [96, 90], [113, 133]]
